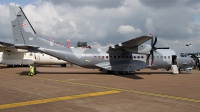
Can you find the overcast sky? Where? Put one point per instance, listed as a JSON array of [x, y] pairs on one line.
[[106, 22]]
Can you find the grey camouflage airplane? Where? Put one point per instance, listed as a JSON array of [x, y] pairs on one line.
[[121, 58]]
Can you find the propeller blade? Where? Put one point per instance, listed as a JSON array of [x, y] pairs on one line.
[[155, 42], [148, 56], [152, 58], [162, 48]]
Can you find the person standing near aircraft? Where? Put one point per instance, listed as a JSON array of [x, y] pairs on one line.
[[32, 70]]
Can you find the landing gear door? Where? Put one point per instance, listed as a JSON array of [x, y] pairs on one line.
[[174, 60]]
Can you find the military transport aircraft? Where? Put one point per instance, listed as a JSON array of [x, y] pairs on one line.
[[120, 59]]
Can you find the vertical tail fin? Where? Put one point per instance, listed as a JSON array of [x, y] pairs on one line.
[[23, 32]]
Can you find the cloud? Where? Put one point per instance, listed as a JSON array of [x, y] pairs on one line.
[[159, 3], [107, 22], [73, 25], [96, 3], [127, 29], [149, 25], [5, 24], [95, 45]]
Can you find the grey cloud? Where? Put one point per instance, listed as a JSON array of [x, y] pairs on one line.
[[96, 3], [100, 24], [159, 3], [192, 2]]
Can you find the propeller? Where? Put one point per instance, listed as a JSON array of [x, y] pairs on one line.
[[153, 49]]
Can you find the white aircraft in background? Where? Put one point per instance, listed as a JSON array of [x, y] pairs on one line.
[[12, 57]]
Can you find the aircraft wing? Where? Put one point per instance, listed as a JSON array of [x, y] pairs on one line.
[[9, 47], [5, 44], [132, 43]]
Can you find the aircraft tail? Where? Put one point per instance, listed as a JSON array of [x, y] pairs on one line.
[[23, 32]]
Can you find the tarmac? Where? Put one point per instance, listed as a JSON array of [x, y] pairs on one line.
[[76, 89]]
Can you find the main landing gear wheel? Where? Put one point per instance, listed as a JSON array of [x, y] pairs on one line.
[[124, 73], [120, 72], [116, 73]]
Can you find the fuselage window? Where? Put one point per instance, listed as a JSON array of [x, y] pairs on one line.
[[110, 57], [134, 57], [142, 57], [118, 56], [126, 56], [161, 57], [102, 57], [99, 57], [130, 57], [42, 54], [106, 57], [165, 57], [138, 57], [122, 56], [168, 57], [95, 57], [114, 57], [157, 57]]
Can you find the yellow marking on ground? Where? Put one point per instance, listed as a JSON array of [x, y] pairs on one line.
[[125, 90], [34, 102]]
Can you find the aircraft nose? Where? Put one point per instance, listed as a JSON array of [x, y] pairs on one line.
[[192, 62]]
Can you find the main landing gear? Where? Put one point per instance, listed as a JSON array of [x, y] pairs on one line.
[[113, 72], [120, 72]]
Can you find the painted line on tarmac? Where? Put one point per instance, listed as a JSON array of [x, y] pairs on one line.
[[64, 98], [113, 88], [126, 90]]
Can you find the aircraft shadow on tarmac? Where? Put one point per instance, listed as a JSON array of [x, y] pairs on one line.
[[135, 75], [130, 75]]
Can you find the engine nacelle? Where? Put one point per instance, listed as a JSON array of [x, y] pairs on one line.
[[142, 49]]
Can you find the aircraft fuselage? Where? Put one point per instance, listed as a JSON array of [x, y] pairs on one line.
[[114, 60]]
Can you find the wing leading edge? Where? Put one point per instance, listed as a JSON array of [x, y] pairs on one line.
[[132, 43]]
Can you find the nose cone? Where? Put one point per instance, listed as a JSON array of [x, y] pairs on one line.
[[185, 62], [191, 61]]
